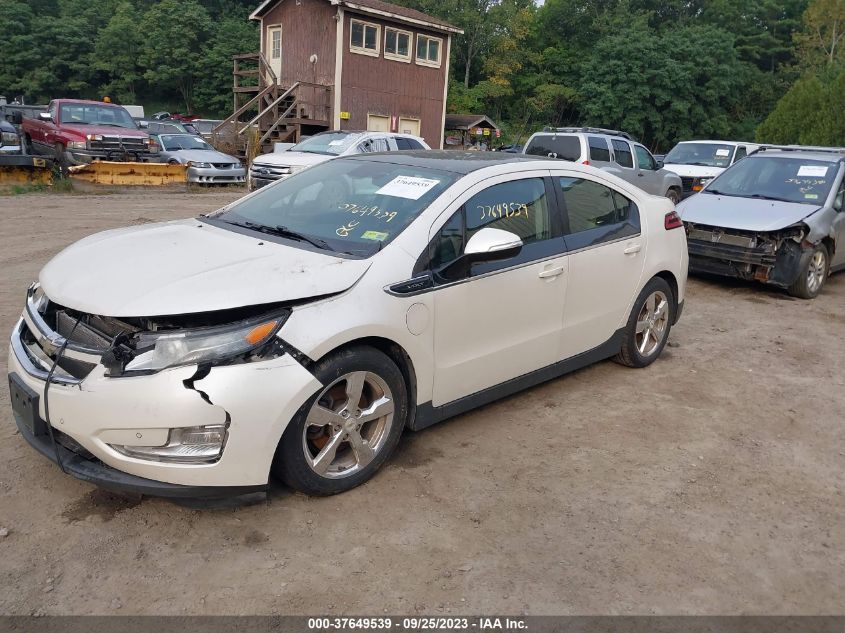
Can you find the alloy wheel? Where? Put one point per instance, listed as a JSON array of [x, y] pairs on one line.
[[652, 324], [348, 424], [816, 271]]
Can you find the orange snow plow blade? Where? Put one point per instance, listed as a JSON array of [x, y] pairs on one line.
[[128, 174]]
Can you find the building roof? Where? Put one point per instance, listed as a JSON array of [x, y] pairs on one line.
[[448, 160], [468, 121], [380, 9]]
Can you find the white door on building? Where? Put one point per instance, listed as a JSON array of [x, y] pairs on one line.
[[378, 123], [274, 50], [409, 126]]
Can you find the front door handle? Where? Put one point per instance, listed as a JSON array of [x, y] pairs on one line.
[[633, 249], [552, 272]]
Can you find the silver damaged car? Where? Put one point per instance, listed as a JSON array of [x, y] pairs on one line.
[[775, 217], [205, 164]]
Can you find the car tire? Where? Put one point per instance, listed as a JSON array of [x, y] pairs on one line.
[[61, 159], [674, 195], [814, 268], [647, 330], [329, 447]]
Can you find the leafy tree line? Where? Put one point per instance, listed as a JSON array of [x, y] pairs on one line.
[[663, 70]]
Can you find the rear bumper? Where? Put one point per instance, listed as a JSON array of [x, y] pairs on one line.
[[96, 472]]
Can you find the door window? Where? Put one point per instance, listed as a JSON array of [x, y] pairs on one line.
[[622, 153], [376, 144], [520, 207], [596, 213], [404, 143], [598, 149], [564, 147], [644, 158], [276, 52], [741, 153]]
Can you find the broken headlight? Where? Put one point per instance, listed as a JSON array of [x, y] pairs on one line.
[[155, 351]]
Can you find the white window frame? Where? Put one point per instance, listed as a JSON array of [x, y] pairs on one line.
[[365, 51], [428, 62], [275, 30], [397, 56]]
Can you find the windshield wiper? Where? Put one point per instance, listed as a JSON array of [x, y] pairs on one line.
[[764, 197], [283, 231]]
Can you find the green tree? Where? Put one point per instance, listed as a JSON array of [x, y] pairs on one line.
[[175, 31], [810, 113], [821, 42], [116, 53]]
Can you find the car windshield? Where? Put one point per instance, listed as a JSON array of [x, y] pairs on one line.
[[788, 179], [703, 154], [346, 205], [176, 142], [565, 147], [332, 144], [93, 114]]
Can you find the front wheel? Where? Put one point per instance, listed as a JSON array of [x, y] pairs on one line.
[[348, 429], [674, 195], [813, 275], [647, 330]]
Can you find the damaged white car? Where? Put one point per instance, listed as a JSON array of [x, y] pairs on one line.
[[777, 216], [299, 330]]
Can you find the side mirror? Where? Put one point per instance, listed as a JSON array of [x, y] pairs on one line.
[[660, 164], [839, 201], [492, 244], [45, 116]]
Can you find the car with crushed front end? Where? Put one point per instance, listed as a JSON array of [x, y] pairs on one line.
[[776, 216], [300, 329], [205, 164]]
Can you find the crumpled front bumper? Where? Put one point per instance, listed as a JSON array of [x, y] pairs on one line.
[[256, 400]]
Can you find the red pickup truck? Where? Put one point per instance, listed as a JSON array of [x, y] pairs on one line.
[[75, 132]]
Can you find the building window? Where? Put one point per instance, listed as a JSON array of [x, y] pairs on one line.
[[276, 53], [397, 44], [428, 50], [364, 38]]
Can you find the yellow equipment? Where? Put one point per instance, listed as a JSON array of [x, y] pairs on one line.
[[128, 174]]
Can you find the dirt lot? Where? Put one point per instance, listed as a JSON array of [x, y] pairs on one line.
[[711, 482]]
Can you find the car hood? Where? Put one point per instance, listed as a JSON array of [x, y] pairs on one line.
[[107, 130], [694, 171], [749, 214], [303, 159], [200, 156], [188, 266]]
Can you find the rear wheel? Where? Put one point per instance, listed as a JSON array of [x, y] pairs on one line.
[[814, 269], [647, 330], [348, 429]]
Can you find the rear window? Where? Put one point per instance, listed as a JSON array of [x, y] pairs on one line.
[[622, 152], [598, 149], [555, 146]]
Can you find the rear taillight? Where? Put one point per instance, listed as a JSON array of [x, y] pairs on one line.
[[672, 221]]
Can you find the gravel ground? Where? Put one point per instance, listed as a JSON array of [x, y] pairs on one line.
[[709, 483]]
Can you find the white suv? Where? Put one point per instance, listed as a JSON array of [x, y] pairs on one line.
[[321, 147], [611, 150], [300, 329]]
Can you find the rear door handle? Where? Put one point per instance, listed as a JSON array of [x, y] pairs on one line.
[[632, 249], [552, 272]]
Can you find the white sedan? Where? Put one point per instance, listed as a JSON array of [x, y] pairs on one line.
[[299, 330]]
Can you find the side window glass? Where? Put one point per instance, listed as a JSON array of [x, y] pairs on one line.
[[402, 143], [519, 206], [622, 153], [644, 159], [598, 149], [741, 153], [626, 210], [449, 243], [378, 144], [588, 204], [414, 144]]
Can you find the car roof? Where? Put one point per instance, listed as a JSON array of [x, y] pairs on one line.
[[718, 141], [447, 160], [363, 132]]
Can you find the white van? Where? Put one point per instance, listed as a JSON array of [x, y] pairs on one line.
[[698, 162]]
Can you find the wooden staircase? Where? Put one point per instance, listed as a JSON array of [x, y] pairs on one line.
[[265, 112]]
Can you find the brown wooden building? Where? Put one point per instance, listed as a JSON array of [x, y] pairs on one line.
[[343, 64]]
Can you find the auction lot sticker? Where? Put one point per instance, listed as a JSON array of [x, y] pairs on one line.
[[409, 187]]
